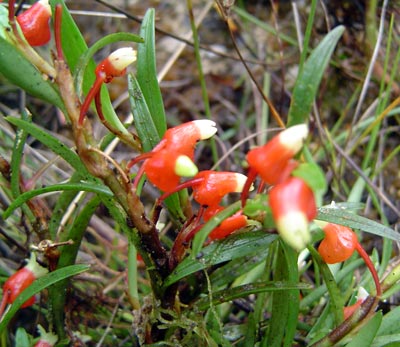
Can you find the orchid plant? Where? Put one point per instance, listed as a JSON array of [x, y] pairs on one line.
[[225, 226]]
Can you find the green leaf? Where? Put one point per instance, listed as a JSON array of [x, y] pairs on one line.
[[147, 73], [19, 71], [51, 142], [83, 186], [233, 247], [313, 175], [307, 83], [37, 286], [343, 217], [22, 338], [390, 322], [149, 136], [367, 333], [144, 123]]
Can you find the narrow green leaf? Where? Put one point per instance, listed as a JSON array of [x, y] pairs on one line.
[[51, 142], [233, 247], [367, 333], [144, 123], [343, 217], [281, 302], [244, 290], [19, 71], [390, 322], [147, 73], [83, 186], [37, 286], [307, 83]]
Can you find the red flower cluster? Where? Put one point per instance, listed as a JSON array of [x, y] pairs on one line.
[[291, 200]]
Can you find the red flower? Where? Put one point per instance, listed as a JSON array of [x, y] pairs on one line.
[[34, 23], [21, 280]]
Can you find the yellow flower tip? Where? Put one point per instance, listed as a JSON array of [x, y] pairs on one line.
[[294, 229], [185, 167], [207, 128], [122, 58]]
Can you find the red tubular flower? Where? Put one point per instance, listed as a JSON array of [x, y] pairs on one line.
[[272, 162], [19, 281], [338, 245], [34, 23], [227, 226], [113, 66], [293, 206]]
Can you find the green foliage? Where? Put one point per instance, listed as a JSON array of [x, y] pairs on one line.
[[184, 289]]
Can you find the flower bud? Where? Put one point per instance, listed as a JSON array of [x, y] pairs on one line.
[[271, 160], [293, 207], [116, 63], [338, 245], [34, 23]]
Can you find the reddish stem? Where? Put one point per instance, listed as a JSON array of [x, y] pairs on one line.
[[190, 183], [251, 176], [91, 95], [11, 11], [371, 268], [57, 32], [137, 159]]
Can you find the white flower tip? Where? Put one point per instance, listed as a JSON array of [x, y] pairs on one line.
[[294, 137], [240, 182], [122, 57], [294, 229], [185, 167], [206, 127], [46, 5], [362, 293]]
